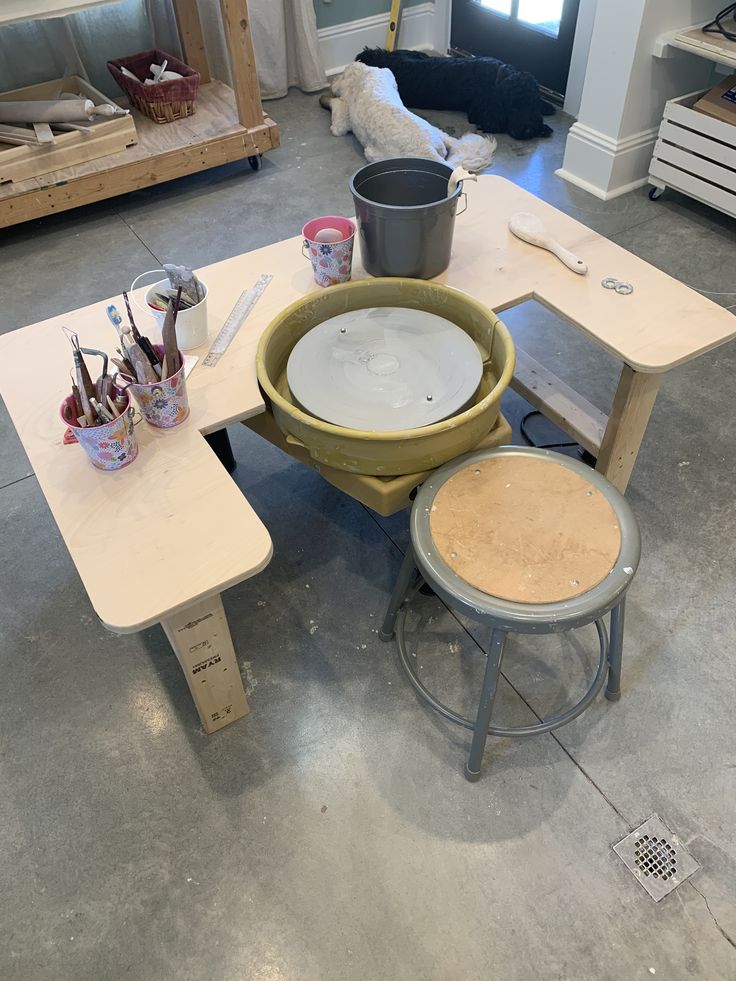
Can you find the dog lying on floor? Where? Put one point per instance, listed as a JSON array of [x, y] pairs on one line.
[[497, 97], [366, 101]]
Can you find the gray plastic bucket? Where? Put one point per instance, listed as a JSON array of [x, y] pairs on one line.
[[405, 217]]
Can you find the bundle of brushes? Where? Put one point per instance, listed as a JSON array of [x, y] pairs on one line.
[[139, 360], [184, 284]]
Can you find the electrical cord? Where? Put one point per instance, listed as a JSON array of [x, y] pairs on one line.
[[716, 26], [540, 446]]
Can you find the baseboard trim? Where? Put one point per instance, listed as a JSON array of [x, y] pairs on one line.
[[605, 166], [597, 191], [341, 43]]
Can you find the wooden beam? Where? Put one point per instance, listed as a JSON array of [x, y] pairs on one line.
[[627, 423], [561, 404], [191, 37], [202, 643], [242, 61]]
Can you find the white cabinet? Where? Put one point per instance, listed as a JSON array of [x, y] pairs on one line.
[[695, 154]]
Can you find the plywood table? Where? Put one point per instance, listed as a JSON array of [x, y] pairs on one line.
[[201, 535]]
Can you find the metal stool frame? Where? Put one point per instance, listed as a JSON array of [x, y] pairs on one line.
[[505, 616]]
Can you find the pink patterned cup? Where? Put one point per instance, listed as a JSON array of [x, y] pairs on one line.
[[332, 259], [111, 446], [165, 403]]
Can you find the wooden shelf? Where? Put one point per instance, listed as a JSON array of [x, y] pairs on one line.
[[713, 47], [211, 137], [229, 124]]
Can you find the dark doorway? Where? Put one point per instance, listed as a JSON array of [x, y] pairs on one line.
[[533, 35]]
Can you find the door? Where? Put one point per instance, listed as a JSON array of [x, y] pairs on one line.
[[533, 35]]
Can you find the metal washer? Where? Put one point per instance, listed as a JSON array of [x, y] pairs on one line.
[[611, 283]]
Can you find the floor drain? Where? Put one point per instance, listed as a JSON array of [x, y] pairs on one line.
[[656, 857]]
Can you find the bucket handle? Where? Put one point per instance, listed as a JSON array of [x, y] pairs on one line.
[[464, 196], [305, 245], [144, 306]]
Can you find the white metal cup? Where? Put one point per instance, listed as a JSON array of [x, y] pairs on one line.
[[191, 323]]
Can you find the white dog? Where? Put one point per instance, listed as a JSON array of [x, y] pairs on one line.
[[366, 101]]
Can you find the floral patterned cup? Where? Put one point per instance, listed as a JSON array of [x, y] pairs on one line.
[[111, 446], [331, 261], [163, 404]]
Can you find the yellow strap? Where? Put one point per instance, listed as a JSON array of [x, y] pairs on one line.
[[393, 25]]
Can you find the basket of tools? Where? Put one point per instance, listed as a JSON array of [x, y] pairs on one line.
[[157, 84]]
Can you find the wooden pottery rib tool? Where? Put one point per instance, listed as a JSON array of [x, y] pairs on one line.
[[531, 229], [144, 373], [168, 335]]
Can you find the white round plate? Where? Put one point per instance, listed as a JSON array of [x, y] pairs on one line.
[[384, 368]]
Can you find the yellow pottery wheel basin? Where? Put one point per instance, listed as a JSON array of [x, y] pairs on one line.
[[403, 451]]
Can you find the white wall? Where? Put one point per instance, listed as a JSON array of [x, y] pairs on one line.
[[609, 148], [423, 26]]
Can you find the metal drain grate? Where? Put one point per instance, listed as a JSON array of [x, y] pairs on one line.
[[656, 857]]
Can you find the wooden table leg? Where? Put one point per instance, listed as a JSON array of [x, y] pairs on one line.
[[627, 423], [201, 640]]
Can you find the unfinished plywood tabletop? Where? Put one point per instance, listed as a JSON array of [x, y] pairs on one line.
[[660, 325]]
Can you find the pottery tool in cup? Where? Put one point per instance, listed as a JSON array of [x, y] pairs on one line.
[[84, 384], [181, 276], [531, 229], [143, 343], [172, 362]]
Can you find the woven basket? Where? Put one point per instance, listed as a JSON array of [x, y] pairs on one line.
[[164, 102]]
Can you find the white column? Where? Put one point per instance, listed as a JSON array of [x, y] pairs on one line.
[[609, 148]]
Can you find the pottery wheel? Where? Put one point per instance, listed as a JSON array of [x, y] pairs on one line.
[[384, 369]]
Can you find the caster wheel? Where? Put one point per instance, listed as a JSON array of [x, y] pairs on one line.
[[655, 193], [256, 162]]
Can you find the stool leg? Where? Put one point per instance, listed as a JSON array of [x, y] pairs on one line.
[[487, 696], [406, 573], [615, 652]]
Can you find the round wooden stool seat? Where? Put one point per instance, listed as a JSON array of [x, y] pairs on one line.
[[525, 529]]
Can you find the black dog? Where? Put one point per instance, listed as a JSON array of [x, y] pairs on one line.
[[497, 97]]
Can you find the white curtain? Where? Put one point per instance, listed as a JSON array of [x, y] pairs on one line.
[[285, 42], [284, 38]]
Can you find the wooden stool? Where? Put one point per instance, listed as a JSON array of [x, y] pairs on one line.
[[526, 541]]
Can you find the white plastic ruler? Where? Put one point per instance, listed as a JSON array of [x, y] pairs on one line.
[[235, 321]]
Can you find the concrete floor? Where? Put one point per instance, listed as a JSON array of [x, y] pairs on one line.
[[331, 835]]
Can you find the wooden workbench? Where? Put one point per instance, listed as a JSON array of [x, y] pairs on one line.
[[229, 124], [201, 534]]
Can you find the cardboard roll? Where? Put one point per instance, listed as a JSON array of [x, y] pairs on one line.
[[384, 369]]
